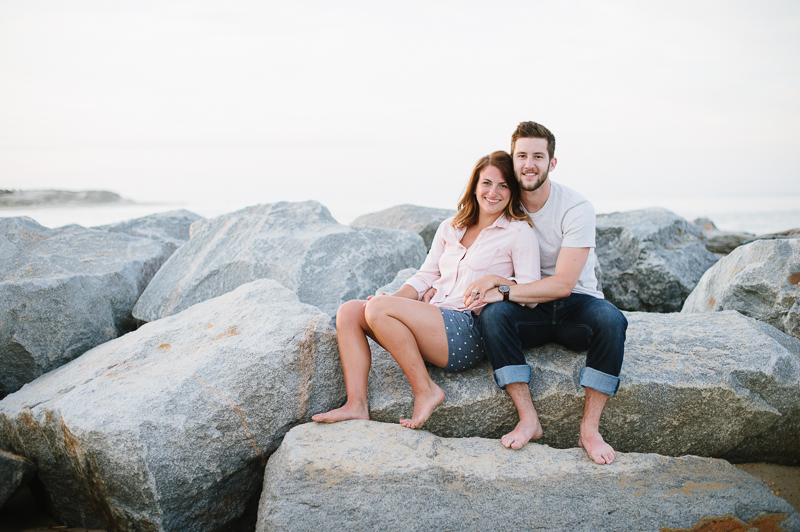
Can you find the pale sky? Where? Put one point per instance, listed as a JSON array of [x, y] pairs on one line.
[[372, 104]]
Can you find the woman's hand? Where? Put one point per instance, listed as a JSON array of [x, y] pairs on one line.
[[429, 295], [473, 296]]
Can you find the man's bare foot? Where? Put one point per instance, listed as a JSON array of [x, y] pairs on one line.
[[342, 414], [423, 406], [524, 432], [597, 449]]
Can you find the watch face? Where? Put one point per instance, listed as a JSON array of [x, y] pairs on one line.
[[505, 290]]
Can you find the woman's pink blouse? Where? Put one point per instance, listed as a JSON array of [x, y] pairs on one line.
[[507, 248]]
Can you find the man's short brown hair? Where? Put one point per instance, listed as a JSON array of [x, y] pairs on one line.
[[532, 130]]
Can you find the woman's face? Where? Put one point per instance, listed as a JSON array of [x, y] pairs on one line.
[[492, 191]]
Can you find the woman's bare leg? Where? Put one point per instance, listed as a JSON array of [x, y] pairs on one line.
[[412, 332], [351, 334]]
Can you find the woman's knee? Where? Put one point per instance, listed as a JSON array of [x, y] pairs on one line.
[[350, 313], [376, 308]]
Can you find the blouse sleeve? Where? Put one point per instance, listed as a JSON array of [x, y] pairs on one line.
[[429, 272]]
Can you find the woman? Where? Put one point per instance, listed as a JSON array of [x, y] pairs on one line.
[[488, 243]]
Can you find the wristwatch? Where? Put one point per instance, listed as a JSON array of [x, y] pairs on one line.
[[505, 290]]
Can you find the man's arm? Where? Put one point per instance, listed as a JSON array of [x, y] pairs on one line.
[[569, 266]]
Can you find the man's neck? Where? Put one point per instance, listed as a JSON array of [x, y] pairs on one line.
[[534, 201]]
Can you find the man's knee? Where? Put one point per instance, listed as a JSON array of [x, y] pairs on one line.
[[608, 318], [496, 316]]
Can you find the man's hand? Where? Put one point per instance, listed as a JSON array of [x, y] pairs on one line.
[[492, 295], [477, 291], [429, 295]]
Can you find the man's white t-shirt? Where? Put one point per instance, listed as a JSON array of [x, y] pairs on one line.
[[566, 220]]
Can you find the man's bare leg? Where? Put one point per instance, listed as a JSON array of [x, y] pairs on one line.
[[528, 427], [351, 334], [409, 330], [590, 439]]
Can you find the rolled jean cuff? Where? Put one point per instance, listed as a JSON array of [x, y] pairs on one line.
[[602, 382], [512, 374]]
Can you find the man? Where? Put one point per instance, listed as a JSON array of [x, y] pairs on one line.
[[569, 309]]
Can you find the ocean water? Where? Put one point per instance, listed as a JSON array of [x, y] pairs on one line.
[[759, 215]]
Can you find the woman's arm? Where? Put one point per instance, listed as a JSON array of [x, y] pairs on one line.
[[429, 272], [406, 291]]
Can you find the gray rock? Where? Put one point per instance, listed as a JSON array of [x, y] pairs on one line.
[[361, 475], [64, 291], [169, 427], [170, 228], [705, 223], [760, 280], [421, 220], [716, 384], [723, 242], [299, 245], [789, 233], [15, 472], [651, 259], [398, 281]]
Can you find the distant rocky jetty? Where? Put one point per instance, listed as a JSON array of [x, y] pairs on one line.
[[12, 199], [188, 421]]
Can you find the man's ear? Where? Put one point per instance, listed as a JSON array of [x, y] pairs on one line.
[[553, 162]]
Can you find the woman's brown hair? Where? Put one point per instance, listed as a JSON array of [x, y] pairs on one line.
[[468, 208]]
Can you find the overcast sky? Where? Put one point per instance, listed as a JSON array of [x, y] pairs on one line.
[[374, 104]]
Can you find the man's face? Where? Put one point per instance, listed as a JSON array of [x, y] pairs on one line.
[[532, 164]]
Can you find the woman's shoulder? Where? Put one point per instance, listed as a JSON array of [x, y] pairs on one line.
[[520, 225]]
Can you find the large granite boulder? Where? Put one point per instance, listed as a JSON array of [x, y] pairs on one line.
[[64, 291], [300, 245], [651, 259], [15, 472], [170, 228], [398, 281], [170, 427], [421, 220], [716, 384], [760, 280], [361, 475]]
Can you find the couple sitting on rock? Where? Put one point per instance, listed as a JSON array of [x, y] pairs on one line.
[[514, 268]]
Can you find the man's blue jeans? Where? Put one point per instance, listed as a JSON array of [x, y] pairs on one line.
[[579, 322]]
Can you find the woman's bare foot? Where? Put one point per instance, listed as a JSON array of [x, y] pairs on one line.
[[423, 406], [524, 432], [342, 414], [596, 447]]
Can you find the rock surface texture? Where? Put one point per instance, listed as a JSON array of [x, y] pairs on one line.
[[760, 280], [421, 220], [170, 228], [716, 384], [64, 291], [651, 259], [299, 245], [366, 476], [169, 427], [15, 472]]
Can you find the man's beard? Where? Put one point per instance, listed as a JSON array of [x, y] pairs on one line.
[[539, 182]]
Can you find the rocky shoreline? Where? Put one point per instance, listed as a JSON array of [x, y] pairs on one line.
[[154, 370]]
